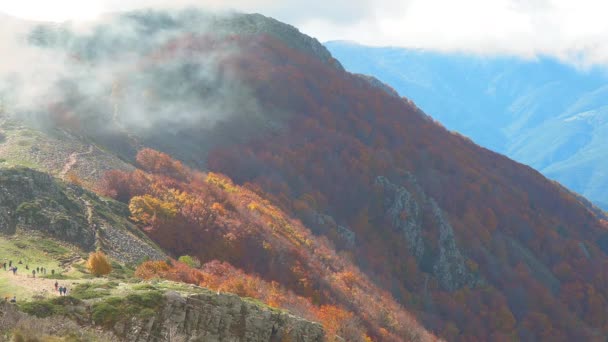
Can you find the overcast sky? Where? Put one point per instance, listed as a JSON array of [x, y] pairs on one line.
[[572, 30]]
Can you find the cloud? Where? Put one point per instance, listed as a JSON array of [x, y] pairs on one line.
[[114, 74], [574, 31]]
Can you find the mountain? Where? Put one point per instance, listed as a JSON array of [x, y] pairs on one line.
[[540, 112], [238, 141]]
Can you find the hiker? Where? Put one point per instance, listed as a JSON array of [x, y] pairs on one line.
[[27, 267], [37, 269], [65, 291], [61, 290], [20, 262], [34, 273], [14, 270], [52, 272], [56, 285], [14, 300], [4, 266], [5, 299]]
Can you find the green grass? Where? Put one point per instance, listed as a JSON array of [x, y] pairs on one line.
[[18, 142], [49, 307], [93, 290], [110, 310], [34, 251]]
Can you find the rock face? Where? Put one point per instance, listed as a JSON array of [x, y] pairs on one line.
[[32, 200], [449, 268], [405, 210], [325, 224], [211, 317], [404, 213]]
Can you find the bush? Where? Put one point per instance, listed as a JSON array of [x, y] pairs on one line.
[[109, 311], [40, 309], [190, 261], [90, 291], [105, 313], [50, 307], [98, 264]]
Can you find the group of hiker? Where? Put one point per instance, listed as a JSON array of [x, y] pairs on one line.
[[63, 291], [37, 270]]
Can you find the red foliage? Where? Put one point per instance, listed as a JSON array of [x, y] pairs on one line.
[[532, 241], [207, 216], [161, 163], [344, 132]]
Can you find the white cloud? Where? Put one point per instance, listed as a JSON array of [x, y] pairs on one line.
[[575, 31]]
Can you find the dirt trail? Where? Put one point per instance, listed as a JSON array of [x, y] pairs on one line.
[[72, 160], [39, 286], [91, 222]]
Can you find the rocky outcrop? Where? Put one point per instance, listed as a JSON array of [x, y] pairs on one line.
[[326, 225], [404, 213], [405, 210], [450, 268], [214, 317], [158, 316], [32, 200]]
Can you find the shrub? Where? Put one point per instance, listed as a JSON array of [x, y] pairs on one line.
[[98, 264], [109, 311], [190, 261], [90, 291], [40, 309], [105, 313]]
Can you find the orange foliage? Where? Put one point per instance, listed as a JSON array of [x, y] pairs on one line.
[[98, 264], [211, 218], [344, 132], [340, 135]]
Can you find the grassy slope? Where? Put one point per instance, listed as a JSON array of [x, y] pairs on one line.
[[37, 251]]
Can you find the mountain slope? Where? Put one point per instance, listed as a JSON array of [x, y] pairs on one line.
[[476, 246], [31, 200], [531, 111]]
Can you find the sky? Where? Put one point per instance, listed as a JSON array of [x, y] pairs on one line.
[[573, 31]]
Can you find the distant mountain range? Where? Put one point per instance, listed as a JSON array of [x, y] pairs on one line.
[[551, 116]]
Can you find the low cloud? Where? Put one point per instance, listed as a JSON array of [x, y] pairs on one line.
[[573, 31], [117, 72]]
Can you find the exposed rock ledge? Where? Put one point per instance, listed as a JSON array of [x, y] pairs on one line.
[[211, 317]]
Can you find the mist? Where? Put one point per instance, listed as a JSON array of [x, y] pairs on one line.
[[120, 73]]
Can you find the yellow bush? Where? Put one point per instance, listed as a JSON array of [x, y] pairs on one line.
[[98, 264]]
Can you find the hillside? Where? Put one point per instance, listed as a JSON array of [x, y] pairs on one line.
[[320, 191], [34, 201], [541, 112], [46, 223]]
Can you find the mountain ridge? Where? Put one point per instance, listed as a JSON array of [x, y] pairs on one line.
[[328, 185]]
